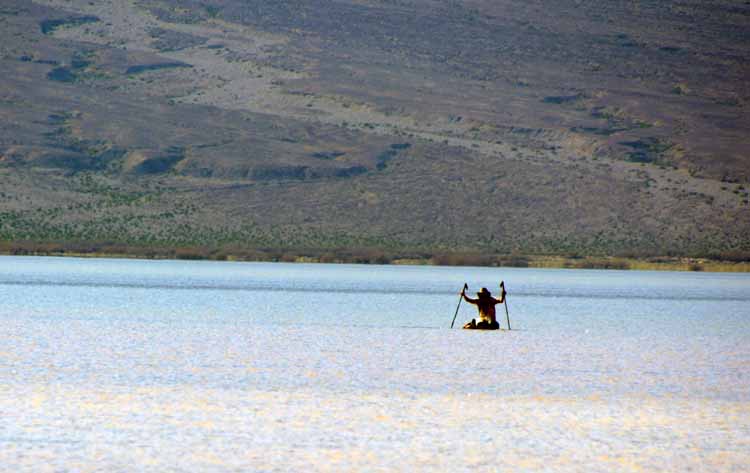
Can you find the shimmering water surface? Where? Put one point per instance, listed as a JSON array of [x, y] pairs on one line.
[[127, 365]]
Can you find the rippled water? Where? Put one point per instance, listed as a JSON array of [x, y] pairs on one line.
[[127, 365]]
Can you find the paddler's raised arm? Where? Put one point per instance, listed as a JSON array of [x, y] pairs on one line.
[[502, 294], [467, 298]]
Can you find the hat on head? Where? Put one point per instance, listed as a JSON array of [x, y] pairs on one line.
[[483, 292]]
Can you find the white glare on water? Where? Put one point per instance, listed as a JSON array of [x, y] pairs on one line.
[[126, 365]]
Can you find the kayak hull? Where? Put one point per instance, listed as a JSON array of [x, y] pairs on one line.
[[473, 325]]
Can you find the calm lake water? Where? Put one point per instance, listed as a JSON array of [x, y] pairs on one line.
[[129, 365]]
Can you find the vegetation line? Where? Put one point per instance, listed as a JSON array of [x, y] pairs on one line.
[[728, 263]]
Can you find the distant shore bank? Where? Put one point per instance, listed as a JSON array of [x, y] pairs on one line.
[[733, 262]]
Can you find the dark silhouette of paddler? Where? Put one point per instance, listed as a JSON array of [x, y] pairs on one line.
[[486, 306]]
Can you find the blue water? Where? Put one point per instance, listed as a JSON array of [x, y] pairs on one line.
[[103, 354], [368, 296]]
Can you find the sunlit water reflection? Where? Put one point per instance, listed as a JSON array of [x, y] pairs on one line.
[[126, 365]]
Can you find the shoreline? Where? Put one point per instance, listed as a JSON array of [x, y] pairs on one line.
[[369, 256]]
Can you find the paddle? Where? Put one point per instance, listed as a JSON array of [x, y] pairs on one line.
[[460, 298], [505, 300]]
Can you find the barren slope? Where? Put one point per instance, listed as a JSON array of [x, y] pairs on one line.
[[504, 126]]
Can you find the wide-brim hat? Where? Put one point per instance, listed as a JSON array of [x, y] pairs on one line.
[[483, 292]]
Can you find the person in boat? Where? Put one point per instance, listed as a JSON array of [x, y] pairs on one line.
[[486, 306]]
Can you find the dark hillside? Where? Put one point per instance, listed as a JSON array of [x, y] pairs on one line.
[[422, 126]]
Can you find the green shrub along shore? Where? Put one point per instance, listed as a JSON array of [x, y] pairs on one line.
[[721, 262]]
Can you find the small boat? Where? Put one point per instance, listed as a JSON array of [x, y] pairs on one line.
[[473, 325]]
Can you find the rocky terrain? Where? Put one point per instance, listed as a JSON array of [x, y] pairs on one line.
[[498, 126]]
